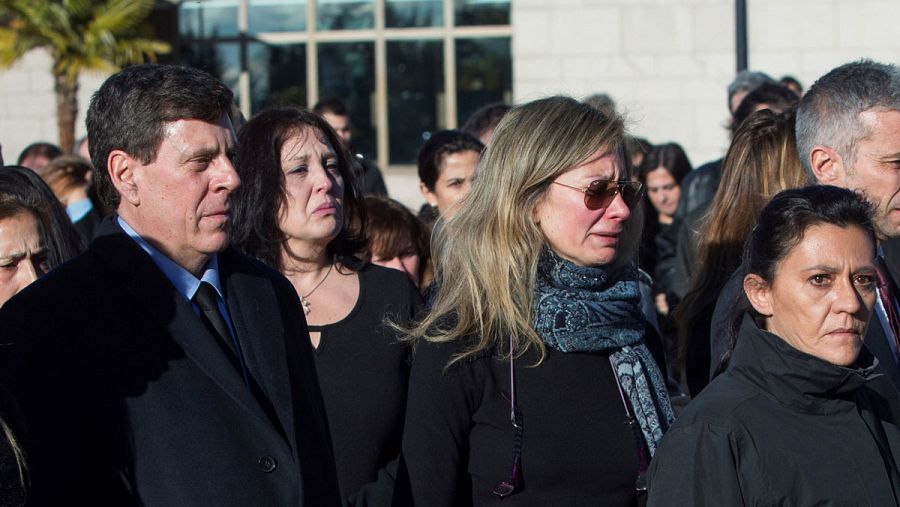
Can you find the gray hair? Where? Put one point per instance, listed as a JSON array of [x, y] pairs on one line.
[[747, 81], [828, 114]]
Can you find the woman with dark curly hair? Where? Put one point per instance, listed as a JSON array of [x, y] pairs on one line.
[[298, 210]]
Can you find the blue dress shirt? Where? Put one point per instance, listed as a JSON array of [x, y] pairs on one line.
[[187, 284]]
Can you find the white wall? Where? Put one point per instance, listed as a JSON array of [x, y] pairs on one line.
[[668, 63], [28, 105]]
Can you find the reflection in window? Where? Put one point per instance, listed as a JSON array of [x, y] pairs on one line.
[[276, 16], [208, 19], [347, 72], [345, 14], [413, 13], [483, 74], [481, 12], [222, 60], [415, 72], [277, 75]]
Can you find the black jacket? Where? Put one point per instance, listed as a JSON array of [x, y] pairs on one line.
[[129, 400], [781, 427]]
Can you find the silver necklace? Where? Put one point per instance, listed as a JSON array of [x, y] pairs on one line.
[[304, 300]]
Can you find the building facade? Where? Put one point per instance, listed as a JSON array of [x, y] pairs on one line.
[[409, 67]]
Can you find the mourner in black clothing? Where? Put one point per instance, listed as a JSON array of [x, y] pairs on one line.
[[800, 416], [299, 211], [162, 367], [532, 383]]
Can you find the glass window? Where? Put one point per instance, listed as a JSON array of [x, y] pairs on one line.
[[277, 75], [222, 59], [347, 72], [481, 12], [276, 16], [209, 19], [345, 14], [415, 71], [413, 13], [483, 74]]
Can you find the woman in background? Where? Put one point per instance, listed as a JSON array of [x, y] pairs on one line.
[[70, 179], [661, 172], [534, 352], [297, 209], [761, 162], [397, 239]]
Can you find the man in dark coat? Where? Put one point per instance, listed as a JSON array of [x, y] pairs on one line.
[[162, 367], [848, 135]]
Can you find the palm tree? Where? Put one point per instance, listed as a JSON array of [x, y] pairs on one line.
[[80, 35]]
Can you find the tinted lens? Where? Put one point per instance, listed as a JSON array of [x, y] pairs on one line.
[[600, 193]]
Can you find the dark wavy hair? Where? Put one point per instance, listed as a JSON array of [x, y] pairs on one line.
[[23, 191], [258, 202]]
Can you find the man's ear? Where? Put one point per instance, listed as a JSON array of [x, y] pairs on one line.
[[759, 294], [427, 194], [827, 165], [120, 167]]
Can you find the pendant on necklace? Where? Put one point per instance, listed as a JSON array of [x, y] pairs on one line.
[[305, 304]]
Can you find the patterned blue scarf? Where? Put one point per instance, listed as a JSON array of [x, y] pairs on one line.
[[577, 309]]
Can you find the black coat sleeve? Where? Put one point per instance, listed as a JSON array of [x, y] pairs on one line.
[[696, 465]]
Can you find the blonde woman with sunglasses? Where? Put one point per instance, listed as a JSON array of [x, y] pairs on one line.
[[532, 383]]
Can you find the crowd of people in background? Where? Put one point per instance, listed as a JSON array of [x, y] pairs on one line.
[[198, 309]]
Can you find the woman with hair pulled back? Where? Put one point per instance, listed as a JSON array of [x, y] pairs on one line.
[[799, 417], [533, 356]]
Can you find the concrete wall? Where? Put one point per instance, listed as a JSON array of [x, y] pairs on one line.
[[668, 62], [28, 104]]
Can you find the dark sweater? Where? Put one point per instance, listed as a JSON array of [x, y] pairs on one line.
[[781, 427], [458, 437], [363, 372]]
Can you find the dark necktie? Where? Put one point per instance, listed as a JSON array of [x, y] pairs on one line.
[[207, 300], [887, 299]]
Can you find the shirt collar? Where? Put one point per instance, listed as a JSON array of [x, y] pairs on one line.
[[78, 209], [185, 283]]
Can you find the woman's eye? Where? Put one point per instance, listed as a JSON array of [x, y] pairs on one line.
[[298, 169]]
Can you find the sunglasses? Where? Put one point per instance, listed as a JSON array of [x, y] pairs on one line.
[[601, 193]]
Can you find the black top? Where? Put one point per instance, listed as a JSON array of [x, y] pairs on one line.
[[781, 427], [458, 439], [363, 372]]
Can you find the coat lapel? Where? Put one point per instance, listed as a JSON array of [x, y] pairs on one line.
[[152, 292], [255, 313]]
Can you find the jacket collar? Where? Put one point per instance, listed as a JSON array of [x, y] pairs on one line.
[[251, 303], [796, 378]]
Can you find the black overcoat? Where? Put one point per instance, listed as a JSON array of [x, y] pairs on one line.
[[129, 400]]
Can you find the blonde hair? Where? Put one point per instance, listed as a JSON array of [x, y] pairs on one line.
[[487, 253]]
